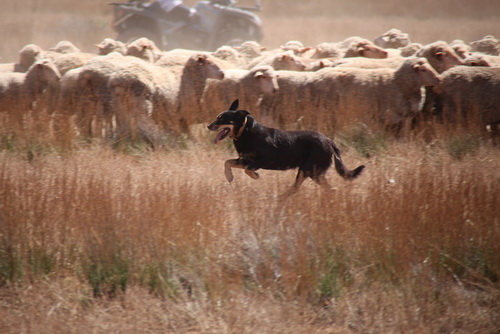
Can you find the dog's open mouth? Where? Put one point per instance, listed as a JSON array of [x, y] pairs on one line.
[[222, 135]]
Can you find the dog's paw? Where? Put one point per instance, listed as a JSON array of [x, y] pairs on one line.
[[229, 176], [252, 174]]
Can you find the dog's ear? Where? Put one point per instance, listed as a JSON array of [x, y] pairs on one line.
[[234, 105]]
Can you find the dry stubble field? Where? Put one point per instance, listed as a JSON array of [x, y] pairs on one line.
[[95, 240]]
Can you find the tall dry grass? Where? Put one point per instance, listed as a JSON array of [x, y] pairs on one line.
[[97, 240], [100, 239]]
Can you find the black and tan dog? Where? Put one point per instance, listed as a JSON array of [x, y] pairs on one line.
[[262, 147]]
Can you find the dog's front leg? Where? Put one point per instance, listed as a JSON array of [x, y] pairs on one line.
[[233, 163], [227, 169], [238, 163]]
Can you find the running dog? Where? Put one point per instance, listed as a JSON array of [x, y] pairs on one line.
[[261, 147]]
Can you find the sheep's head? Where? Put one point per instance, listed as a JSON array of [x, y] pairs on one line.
[[426, 73], [64, 47], [369, 50], [143, 48], [109, 45], [295, 46], [488, 44], [440, 55], [42, 73], [206, 66], [288, 61], [250, 49], [29, 54], [267, 79], [476, 60]]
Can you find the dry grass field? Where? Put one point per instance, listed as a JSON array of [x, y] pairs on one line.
[[101, 240]]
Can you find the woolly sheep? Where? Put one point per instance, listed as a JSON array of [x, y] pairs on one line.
[[67, 61], [296, 47], [281, 61], [440, 55], [64, 47], [327, 50], [27, 56], [372, 96], [176, 59], [291, 100], [361, 62], [470, 94], [93, 113], [488, 45], [231, 55], [196, 75], [492, 61], [393, 38], [462, 49], [137, 91], [249, 86], [143, 48], [21, 92], [477, 59], [364, 48], [410, 50], [350, 47], [109, 45], [250, 50]]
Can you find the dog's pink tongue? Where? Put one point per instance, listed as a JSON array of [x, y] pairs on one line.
[[221, 135]]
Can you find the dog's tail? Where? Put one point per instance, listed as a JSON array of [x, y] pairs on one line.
[[341, 168]]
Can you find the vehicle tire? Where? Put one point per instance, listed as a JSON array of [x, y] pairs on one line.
[[132, 34]]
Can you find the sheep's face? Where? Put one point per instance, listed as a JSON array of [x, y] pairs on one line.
[[369, 50], [441, 56], [206, 67], [448, 57], [267, 82], [426, 74], [213, 71], [476, 60], [463, 51], [290, 62], [46, 72]]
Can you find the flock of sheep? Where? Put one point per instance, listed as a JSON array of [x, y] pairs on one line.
[[137, 90]]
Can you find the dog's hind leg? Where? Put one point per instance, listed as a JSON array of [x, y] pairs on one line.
[[253, 174], [321, 180], [299, 179]]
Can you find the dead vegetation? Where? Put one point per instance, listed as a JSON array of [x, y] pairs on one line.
[[117, 238]]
